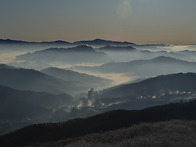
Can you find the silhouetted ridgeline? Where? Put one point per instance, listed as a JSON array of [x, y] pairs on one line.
[[153, 86], [101, 42], [147, 67], [89, 42], [19, 45], [84, 80], [99, 123], [154, 91], [78, 54], [20, 42], [21, 105], [33, 80]]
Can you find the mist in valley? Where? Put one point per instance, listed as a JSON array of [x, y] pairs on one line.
[[58, 81], [73, 72]]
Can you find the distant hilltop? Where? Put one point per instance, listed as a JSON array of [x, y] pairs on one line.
[[83, 42]]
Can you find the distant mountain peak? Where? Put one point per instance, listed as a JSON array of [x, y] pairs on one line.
[[61, 42], [10, 41], [165, 58], [98, 39], [102, 42], [79, 48]]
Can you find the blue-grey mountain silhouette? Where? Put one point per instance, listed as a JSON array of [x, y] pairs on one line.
[[145, 68], [79, 54], [80, 79], [101, 42], [29, 79]]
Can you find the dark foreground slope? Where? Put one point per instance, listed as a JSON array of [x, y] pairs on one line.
[[99, 123], [175, 133]]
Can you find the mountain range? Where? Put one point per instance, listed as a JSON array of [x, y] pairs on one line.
[[29, 79], [181, 82], [100, 123], [78, 54], [18, 45], [51, 80], [144, 68], [59, 107], [60, 43], [41, 92], [17, 104], [142, 94], [9, 41], [155, 91], [79, 79], [20, 108], [101, 42]]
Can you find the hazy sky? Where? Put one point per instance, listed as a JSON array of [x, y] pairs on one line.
[[139, 21]]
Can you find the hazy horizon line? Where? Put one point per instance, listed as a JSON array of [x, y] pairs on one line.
[[54, 40]]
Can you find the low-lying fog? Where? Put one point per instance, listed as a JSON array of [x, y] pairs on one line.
[[184, 52], [56, 88]]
